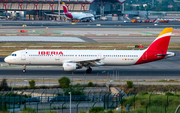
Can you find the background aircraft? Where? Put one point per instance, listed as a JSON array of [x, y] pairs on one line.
[[74, 16]]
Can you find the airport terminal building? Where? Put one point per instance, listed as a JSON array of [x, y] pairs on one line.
[[36, 9]]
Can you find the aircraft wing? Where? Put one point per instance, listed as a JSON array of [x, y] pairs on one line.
[[88, 62], [61, 15]]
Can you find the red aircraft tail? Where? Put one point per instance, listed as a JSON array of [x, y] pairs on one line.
[[65, 9]]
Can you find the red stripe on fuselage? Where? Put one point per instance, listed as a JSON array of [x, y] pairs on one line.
[[69, 15], [149, 56]]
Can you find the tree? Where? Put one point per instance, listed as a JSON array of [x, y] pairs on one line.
[[4, 85], [64, 82], [74, 89], [90, 84], [32, 83], [129, 84], [96, 110]]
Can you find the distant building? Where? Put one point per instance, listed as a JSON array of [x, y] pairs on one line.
[[36, 9]]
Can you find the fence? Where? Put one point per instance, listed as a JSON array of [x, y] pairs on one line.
[[14, 101]]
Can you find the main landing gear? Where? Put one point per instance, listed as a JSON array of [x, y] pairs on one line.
[[24, 69], [89, 70]]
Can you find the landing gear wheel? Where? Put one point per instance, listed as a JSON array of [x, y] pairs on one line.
[[89, 70], [24, 71]]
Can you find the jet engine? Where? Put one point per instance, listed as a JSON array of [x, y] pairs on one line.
[[70, 66]]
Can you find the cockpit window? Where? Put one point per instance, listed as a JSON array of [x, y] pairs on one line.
[[13, 55]]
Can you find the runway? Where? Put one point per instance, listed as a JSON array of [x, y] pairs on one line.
[[163, 69], [38, 39], [141, 39], [103, 24]]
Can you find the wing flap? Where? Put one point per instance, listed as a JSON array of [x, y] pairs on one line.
[[87, 62]]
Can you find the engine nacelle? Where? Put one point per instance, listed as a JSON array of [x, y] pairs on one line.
[[70, 66]]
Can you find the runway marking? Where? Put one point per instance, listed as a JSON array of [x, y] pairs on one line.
[[147, 32], [173, 63], [59, 32], [106, 39]]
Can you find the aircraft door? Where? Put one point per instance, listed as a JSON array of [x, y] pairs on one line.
[[23, 55], [57, 57], [144, 56], [99, 56]]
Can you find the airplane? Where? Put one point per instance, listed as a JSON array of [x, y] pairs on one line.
[[74, 16], [157, 20], [72, 60]]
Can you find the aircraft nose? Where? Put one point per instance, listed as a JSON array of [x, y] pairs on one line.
[[6, 59]]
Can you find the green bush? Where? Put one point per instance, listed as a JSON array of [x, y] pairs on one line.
[[144, 93], [169, 93], [59, 94], [43, 87], [129, 84], [64, 82], [109, 111], [82, 112], [4, 85], [177, 95], [96, 110], [90, 84], [124, 112], [54, 107], [53, 112], [77, 89], [143, 103], [64, 107], [3, 108], [29, 110], [32, 83]]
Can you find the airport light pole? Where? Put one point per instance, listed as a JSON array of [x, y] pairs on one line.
[[13, 86], [109, 84], [26, 82], [70, 101], [152, 3], [59, 9]]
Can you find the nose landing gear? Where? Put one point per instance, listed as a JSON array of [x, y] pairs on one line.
[[89, 70], [24, 69]]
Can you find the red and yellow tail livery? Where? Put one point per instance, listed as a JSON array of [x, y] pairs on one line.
[[158, 49]]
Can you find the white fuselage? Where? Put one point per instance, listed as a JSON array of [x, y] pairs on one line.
[[54, 57], [80, 16]]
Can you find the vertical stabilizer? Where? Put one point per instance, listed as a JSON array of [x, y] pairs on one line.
[[158, 49], [161, 43], [65, 9]]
